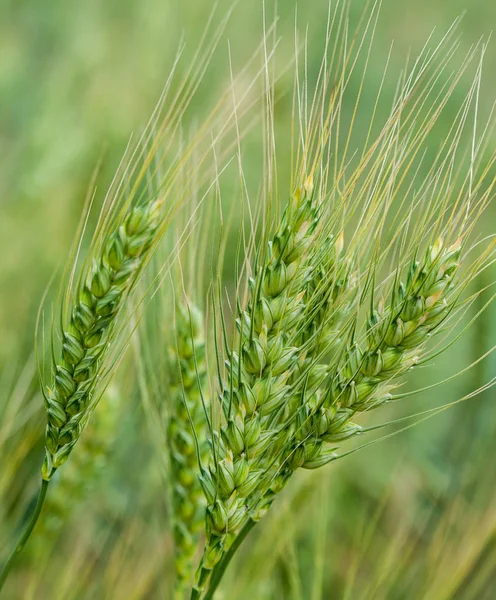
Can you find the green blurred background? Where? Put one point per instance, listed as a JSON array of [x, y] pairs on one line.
[[76, 78]]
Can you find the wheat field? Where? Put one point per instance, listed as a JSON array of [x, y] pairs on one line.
[[247, 300]]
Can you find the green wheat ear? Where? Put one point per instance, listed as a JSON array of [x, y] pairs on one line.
[[291, 313], [368, 370], [186, 438], [258, 374], [99, 298]]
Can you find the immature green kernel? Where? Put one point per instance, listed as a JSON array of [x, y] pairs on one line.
[[241, 471], [348, 395], [236, 518], [283, 244], [344, 433], [250, 484], [137, 221], [100, 283], [395, 333], [72, 350], [225, 477], [234, 437], [413, 309], [416, 338], [253, 357], [219, 517], [372, 364], [115, 250], [275, 279], [64, 381], [252, 431], [208, 486]]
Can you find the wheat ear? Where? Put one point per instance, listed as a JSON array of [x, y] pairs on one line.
[[85, 339], [185, 420], [258, 376]]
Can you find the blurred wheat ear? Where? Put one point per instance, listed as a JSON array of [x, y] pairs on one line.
[[185, 421], [171, 353], [340, 294]]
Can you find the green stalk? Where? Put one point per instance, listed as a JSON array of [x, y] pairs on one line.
[[195, 594], [27, 532], [220, 568]]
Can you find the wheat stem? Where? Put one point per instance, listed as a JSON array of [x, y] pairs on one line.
[[27, 532], [195, 594]]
